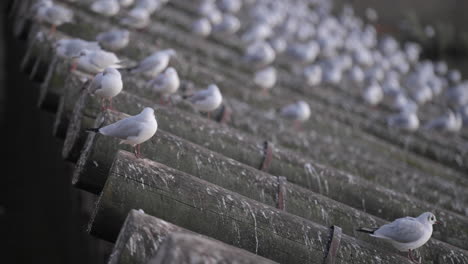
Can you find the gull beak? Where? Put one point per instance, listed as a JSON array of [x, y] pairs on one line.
[[438, 223]]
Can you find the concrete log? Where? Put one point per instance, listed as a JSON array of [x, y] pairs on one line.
[[143, 237], [215, 212], [186, 248], [179, 154]]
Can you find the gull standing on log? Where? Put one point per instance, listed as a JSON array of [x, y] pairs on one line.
[[206, 100], [132, 130], [406, 234], [265, 79], [137, 18], [106, 85], [450, 122], [53, 14], [153, 65], [114, 40], [106, 8], [95, 61], [165, 83], [299, 112]]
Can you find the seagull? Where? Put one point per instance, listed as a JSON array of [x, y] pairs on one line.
[[132, 130], [260, 54], [114, 40], [230, 6], [373, 94], [95, 61], [450, 122], [126, 3], [106, 8], [201, 27], [153, 65], [266, 78], [69, 48], [406, 120], [53, 14], [299, 112], [206, 100], [106, 85], [165, 83], [137, 18], [313, 75], [406, 234], [228, 25]]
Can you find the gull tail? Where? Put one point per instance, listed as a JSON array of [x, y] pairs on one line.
[[95, 130], [366, 230]]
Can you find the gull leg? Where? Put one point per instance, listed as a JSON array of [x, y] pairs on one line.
[[265, 92], [297, 125], [209, 115], [53, 29], [103, 104], [110, 104]]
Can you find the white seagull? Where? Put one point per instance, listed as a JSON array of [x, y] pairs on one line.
[[132, 130], [95, 61], [69, 48], [53, 14], [406, 120], [206, 100], [106, 85], [450, 122], [106, 8], [137, 18], [165, 83], [114, 39], [406, 234], [201, 27], [265, 78], [260, 54], [299, 112], [153, 65]]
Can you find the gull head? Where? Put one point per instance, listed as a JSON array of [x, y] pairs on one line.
[[110, 70], [428, 218], [82, 53], [148, 112], [213, 87], [170, 52]]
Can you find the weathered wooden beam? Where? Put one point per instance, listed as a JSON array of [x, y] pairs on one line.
[[143, 237], [215, 212], [190, 248], [182, 155]]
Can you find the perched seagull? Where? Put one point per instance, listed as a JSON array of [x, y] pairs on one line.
[[106, 85], [450, 122], [265, 78], [206, 100], [165, 83], [137, 18], [406, 234], [299, 112], [69, 48], [132, 130], [126, 3], [95, 61], [406, 120], [228, 25], [260, 54], [153, 65], [313, 75], [53, 14], [201, 27], [230, 6], [114, 40], [150, 6], [373, 94], [106, 8]]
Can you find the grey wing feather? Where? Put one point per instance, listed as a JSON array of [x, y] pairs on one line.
[[122, 129], [403, 230], [289, 111], [199, 96], [147, 64]]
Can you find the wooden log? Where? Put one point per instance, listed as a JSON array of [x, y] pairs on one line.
[[190, 248], [227, 173], [143, 236], [207, 209]]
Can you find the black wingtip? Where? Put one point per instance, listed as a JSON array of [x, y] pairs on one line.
[[95, 130], [366, 230]]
